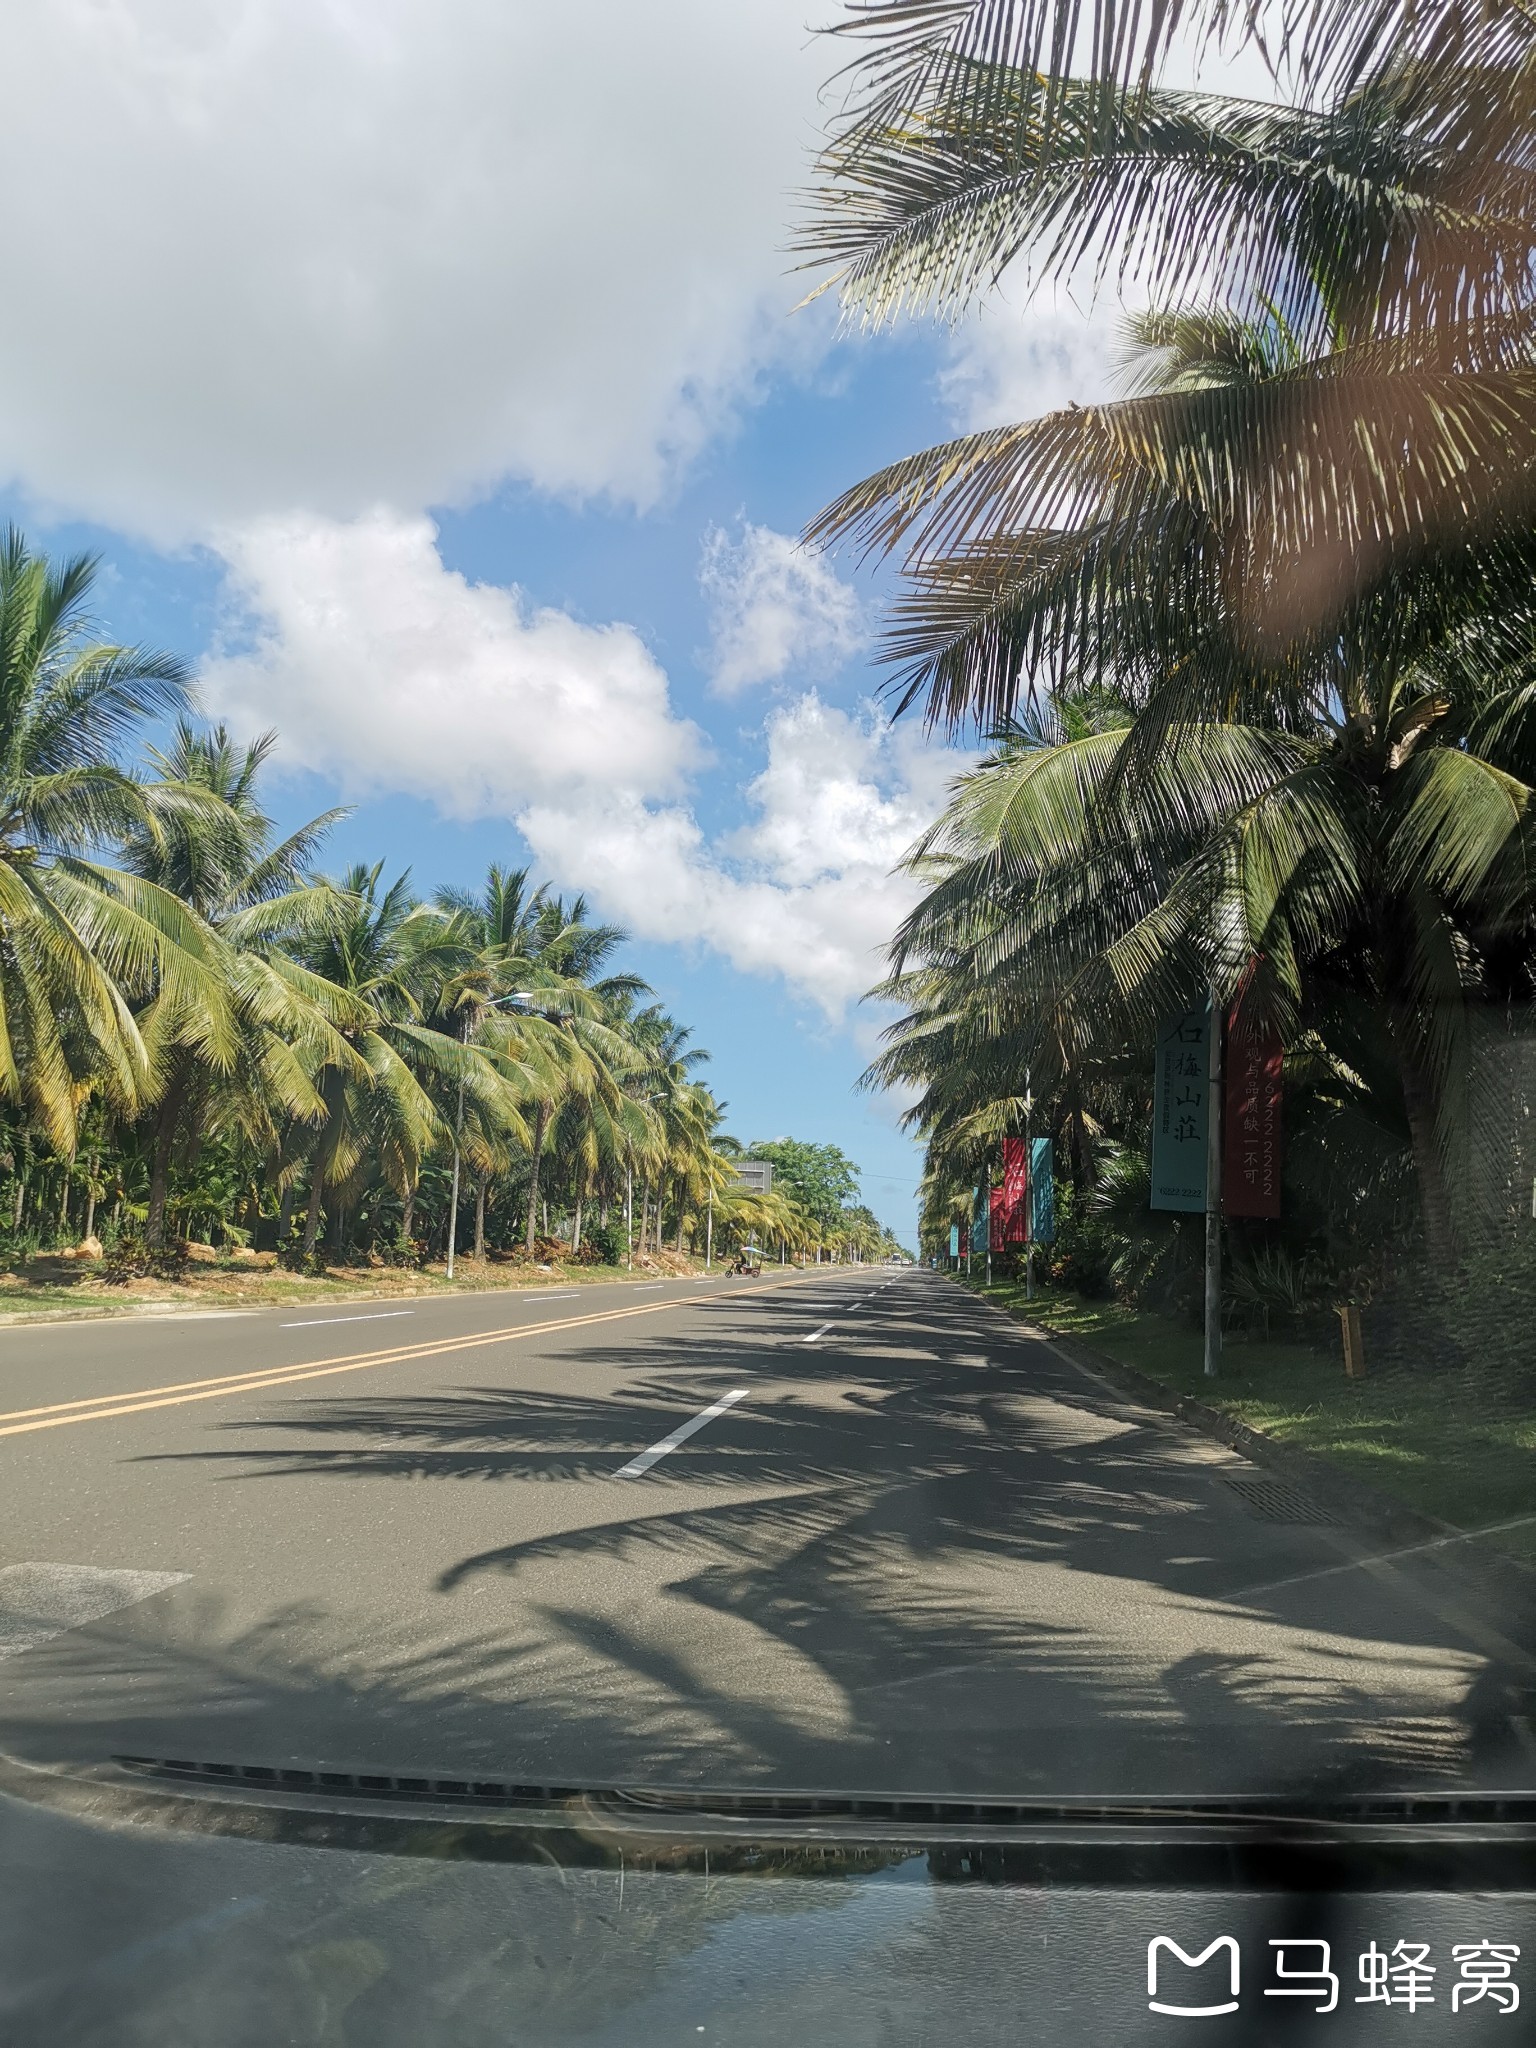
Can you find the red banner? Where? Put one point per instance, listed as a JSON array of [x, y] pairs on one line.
[[1252, 1122], [1015, 1193]]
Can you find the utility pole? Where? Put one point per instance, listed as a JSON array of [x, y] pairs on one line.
[[458, 1139], [709, 1232], [629, 1216], [1213, 1194]]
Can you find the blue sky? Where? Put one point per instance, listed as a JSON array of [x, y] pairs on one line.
[[463, 438]]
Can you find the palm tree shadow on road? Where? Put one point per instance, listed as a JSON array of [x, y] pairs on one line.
[[885, 1567]]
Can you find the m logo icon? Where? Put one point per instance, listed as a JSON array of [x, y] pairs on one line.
[[1192, 2012]]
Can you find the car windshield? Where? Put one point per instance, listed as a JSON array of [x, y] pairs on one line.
[[767, 911]]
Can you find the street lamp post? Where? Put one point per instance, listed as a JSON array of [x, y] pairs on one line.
[[453, 1200]]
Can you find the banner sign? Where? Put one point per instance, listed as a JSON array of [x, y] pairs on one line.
[[1180, 1111], [954, 1240], [1042, 1188], [1252, 1131], [997, 1219], [1015, 1192], [981, 1204]]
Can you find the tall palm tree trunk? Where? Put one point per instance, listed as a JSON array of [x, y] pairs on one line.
[[408, 1212], [312, 1213], [167, 1118], [539, 1118], [480, 1217]]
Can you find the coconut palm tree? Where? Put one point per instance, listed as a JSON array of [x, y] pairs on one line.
[[1298, 554], [79, 942], [206, 840], [391, 956]]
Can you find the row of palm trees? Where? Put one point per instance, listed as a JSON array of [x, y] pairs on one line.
[[202, 1032], [1255, 643]]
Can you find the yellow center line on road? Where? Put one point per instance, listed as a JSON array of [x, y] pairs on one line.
[[99, 1408]]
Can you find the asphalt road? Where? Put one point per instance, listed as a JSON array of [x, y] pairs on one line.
[[846, 1530]]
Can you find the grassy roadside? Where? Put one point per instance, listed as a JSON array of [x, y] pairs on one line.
[[50, 1288], [1445, 1444]]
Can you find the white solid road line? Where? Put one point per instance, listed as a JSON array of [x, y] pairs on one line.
[[679, 1435], [42, 1600], [816, 1333], [378, 1315]]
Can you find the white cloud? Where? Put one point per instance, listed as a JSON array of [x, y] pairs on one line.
[[1014, 361], [338, 252], [804, 890], [774, 608], [386, 670]]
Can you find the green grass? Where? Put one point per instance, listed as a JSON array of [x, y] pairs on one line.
[[1439, 1442]]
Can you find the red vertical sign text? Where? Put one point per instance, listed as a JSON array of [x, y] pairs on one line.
[[1252, 1129], [1015, 1191]]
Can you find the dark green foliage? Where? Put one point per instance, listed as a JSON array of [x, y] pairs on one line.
[[602, 1244]]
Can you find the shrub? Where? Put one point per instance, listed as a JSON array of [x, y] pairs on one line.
[[602, 1245], [128, 1257], [293, 1258]]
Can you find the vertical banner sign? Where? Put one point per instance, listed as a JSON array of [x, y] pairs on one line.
[[997, 1219], [1042, 1190], [1252, 1132], [1015, 1191], [954, 1240], [1180, 1111], [980, 1203]]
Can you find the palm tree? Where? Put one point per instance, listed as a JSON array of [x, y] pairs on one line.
[[1298, 556], [80, 943], [206, 840], [390, 956]]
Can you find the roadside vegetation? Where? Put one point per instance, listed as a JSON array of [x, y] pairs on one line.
[[1248, 648], [217, 1057]]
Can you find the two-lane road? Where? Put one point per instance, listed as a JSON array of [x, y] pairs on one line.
[[843, 1529]]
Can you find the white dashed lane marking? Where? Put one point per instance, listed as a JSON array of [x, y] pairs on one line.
[[377, 1315], [679, 1435]]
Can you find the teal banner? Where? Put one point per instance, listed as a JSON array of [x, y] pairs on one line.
[[954, 1240], [1042, 1193], [1181, 1111], [981, 1217]]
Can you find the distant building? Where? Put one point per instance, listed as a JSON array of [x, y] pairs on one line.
[[756, 1174]]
